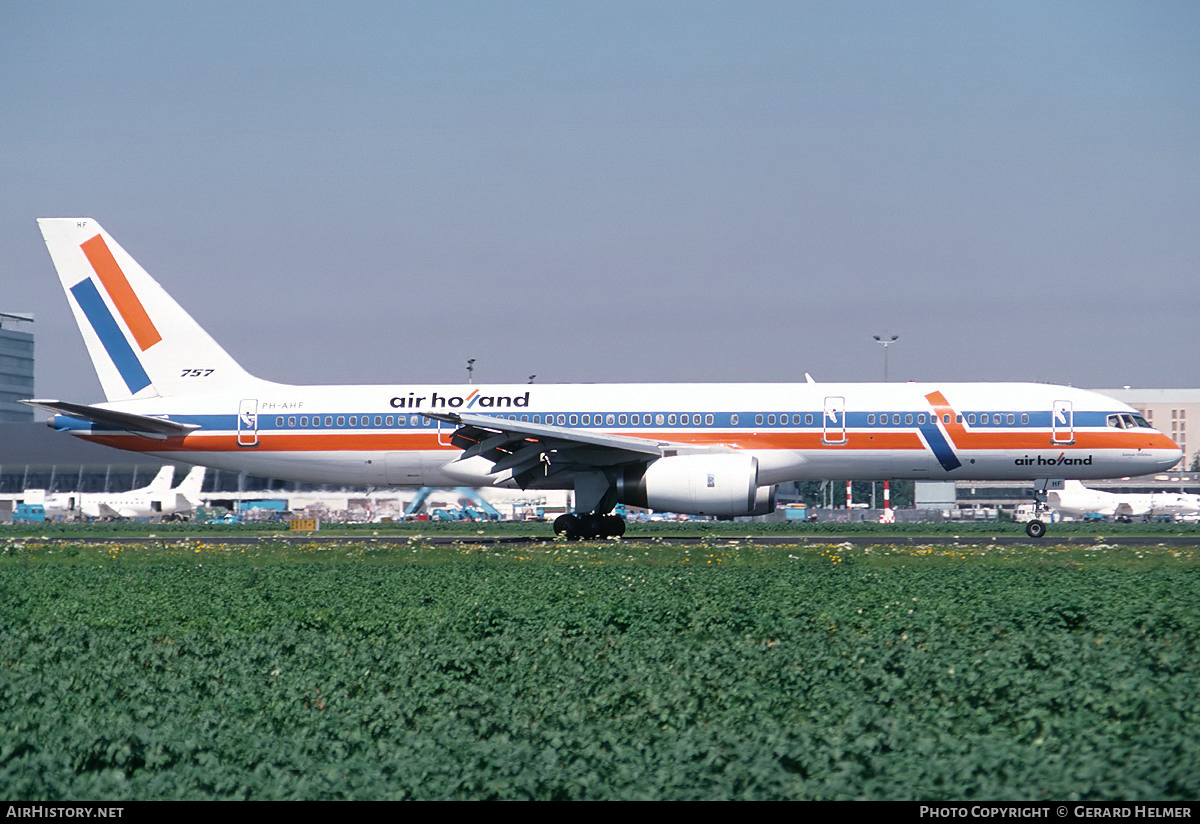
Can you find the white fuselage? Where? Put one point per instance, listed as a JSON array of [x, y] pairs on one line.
[[379, 436]]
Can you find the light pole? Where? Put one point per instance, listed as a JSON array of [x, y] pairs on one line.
[[885, 342], [470, 370]]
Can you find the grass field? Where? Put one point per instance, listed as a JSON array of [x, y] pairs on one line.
[[192, 668], [649, 530]]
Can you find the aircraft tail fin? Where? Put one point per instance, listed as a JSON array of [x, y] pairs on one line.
[[189, 487], [142, 343], [162, 481]]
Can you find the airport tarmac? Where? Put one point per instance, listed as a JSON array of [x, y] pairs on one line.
[[682, 540]]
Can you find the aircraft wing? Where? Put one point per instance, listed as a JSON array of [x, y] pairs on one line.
[[137, 424], [534, 450]]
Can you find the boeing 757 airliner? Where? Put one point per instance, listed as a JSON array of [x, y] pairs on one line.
[[707, 449]]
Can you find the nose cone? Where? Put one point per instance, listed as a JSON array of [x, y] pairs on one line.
[[1166, 452]]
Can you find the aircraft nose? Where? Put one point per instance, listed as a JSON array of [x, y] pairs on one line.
[[1169, 453]]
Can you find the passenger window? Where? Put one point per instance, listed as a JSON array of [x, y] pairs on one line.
[[708, 420], [808, 419], [562, 420], [587, 419], [771, 420], [658, 419], [758, 419], [573, 419], [671, 419], [896, 419], [871, 419], [621, 419], [733, 419], [609, 419], [279, 421]]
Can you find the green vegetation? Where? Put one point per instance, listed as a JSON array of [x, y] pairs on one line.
[[649, 530], [196, 669]]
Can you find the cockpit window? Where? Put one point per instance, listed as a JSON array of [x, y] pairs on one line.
[[1126, 421]]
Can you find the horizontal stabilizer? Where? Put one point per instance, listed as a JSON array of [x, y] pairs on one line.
[[140, 424]]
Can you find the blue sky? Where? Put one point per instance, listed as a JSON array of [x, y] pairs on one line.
[[643, 191]]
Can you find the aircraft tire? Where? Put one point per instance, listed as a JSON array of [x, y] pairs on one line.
[[586, 527], [1035, 529], [594, 526], [567, 525]]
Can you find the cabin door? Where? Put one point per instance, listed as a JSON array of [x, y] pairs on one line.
[[1062, 423], [247, 423], [833, 427]]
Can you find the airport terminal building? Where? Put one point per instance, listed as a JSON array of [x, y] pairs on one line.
[[16, 367]]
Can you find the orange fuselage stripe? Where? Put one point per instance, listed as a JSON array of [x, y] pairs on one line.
[[806, 441], [963, 438]]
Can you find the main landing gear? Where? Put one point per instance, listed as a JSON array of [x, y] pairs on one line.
[[585, 527]]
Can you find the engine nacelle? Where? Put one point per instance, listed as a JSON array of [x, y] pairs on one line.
[[722, 485]]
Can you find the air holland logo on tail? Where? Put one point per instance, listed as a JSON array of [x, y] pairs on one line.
[[128, 306]]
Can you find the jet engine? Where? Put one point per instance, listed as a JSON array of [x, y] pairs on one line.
[[721, 485]]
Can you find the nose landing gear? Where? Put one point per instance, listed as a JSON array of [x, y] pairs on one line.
[[1036, 528]]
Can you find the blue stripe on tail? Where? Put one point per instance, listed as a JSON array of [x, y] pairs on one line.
[[110, 334]]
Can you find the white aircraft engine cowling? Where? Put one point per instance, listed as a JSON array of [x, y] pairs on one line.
[[723, 485]]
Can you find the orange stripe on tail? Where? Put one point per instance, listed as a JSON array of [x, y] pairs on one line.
[[122, 294]]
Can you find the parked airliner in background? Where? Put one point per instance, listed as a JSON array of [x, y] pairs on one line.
[[1076, 499], [157, 499], [707, 449]]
